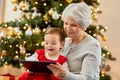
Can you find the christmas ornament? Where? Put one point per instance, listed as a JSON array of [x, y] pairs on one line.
[[14, 8], [3, 33], [24, 5], [42, 43], [17, 30], [104, 38], [34, 14], [22, 50], [14, 1], [46, 18], [19, 33], [104, 66], [16, 58], [11, 31], [55, 15], [94, 17], [4, 53], [69, 1], [36, 30], [21, 15], [51, 11], [107, 68], [28, 31]]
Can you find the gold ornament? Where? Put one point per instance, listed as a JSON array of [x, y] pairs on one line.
[[14, 8], [14, 1], [46, 18], [4, 53], [94, 17], [69, 1], [104, 38], [51, 11], [36, 30], [16, 58], [22, 5], [19, 33], [11, 33]]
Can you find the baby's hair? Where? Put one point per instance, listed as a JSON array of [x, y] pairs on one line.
[[58, 31]]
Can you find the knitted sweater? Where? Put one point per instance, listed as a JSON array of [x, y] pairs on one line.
[[83, 59]]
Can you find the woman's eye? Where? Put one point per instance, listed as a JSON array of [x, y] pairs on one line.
[[74, 25], [65, 23]]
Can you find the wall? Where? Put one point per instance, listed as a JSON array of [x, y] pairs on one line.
[[2, 7], [109, 18], [9, 13]]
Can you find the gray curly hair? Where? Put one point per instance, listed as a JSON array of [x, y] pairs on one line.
[[79, 12]]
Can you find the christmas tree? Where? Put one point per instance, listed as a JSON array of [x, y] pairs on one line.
[[19, 38]]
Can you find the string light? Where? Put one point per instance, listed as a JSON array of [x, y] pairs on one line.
[[97, 27], [19, 37], [44, 4], [26, 24], [6, 25], [102, 30], [21, 64], [16, 52], [90, 31], [36, 2], [46, 22], [6, 63], [10, 46], [103, 74], [17, 45], [24, 42], [24, 27], [37, 44], [2, 40], [103, 54], [94, 35], [5, 42], [105, 47], [61, 4], [106, 28], [44, 30]]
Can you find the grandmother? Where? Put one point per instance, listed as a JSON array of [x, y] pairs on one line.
[[83, 52]]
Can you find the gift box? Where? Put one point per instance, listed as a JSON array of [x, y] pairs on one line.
[[8, 77]]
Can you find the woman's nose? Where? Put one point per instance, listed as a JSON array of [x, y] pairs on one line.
[[68, 27]]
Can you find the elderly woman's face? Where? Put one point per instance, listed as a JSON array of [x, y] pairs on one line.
[[72, 28]]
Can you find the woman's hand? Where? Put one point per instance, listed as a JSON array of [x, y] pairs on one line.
[[57, 70]]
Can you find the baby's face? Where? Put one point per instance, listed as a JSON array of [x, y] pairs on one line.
[[52, 44]]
